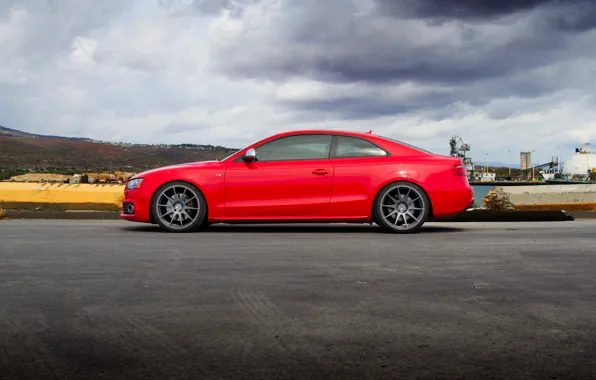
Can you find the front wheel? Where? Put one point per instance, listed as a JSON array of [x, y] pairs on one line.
[[179, 207], [401, 207]]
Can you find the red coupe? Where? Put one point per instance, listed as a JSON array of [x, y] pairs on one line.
[[304, 176]]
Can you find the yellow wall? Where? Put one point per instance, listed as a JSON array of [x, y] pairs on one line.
[[100, 197]]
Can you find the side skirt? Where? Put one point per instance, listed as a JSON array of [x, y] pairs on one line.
[[291, 220]]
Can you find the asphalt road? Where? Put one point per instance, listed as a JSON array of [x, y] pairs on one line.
[[116, 300]]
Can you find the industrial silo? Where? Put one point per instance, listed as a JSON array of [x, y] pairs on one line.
[[525, 160]]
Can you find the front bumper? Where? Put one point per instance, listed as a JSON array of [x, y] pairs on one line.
[[136, 206]]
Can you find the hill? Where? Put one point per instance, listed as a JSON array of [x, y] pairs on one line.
[[22, 150], [498, 164], [15, 133]]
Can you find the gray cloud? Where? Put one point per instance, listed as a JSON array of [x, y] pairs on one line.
[[568, 15], [574, 16], [484, 49], [47, 28], [181, 127], [330, 42], [206, 7], [504, 74], [459, 9], [372, 101]]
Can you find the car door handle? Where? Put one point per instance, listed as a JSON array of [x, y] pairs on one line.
[[320, 172]]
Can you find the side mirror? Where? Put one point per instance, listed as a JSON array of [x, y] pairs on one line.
[[250, 155]]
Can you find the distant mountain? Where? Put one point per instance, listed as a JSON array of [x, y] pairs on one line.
[[497, 164], [22, 150], [13, 132]]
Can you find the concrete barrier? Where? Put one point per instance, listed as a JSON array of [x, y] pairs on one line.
[[540, 198], [61, 197]]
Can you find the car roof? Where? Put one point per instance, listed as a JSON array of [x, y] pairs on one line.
[[325, 131], [368, 135]]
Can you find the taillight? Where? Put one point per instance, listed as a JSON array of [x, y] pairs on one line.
[[460, 171]]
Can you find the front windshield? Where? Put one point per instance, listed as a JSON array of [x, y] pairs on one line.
[[225, 159]]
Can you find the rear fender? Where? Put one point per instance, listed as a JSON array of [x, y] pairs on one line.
[[400, 179]]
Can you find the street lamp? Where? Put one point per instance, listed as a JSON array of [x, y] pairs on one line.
[[533, 164], [587, 157]]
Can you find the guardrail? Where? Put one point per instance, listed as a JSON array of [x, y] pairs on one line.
[[61, 197]]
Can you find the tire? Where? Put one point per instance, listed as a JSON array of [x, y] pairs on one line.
[[404, 215], [179, 207]]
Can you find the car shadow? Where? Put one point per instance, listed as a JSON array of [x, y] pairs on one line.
[[321, 229]]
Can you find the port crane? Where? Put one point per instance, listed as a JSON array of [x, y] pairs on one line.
[[460, 149]]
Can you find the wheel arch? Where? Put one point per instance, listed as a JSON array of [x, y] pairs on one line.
[[400, 180], [152, 216]]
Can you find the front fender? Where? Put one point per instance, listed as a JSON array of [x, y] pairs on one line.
[[209, 181]]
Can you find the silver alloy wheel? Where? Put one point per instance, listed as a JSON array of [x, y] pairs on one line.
[[178, 206], [402, 207]]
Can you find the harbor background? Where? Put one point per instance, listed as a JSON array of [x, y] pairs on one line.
[[480, 192]]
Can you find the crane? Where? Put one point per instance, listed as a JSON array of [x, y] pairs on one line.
[[460, 149]]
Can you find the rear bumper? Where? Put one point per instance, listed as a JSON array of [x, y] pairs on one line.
[[450, 203]]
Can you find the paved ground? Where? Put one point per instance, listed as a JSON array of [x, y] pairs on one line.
[[114, 300]]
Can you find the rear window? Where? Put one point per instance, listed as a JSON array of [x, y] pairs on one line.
[[405, 144], [351, 147]]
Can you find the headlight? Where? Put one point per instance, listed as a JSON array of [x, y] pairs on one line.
[[134, 183]]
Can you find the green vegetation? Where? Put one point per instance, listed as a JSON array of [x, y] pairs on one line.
[[504, 172], [6, 174]]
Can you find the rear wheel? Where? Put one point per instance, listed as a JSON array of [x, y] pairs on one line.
[[179, 207], [401, 207]]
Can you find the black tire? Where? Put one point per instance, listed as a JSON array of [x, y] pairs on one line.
[[412, 208], [183, 201]]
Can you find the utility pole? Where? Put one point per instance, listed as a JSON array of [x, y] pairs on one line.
[[509, 162], [558, 159]]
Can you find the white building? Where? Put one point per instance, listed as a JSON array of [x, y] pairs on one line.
[[487, 177], [582, 162]]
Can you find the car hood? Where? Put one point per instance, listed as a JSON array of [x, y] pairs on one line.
[[198, 164]]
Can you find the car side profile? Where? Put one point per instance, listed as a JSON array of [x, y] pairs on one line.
[[304, 176]]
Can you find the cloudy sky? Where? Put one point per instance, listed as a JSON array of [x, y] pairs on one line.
[[503, 74]]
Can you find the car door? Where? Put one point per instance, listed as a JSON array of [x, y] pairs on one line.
[[358, 165], [291, 177]]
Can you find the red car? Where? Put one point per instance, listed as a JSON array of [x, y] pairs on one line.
[[304, 176]]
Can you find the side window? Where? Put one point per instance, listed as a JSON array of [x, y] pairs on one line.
[[356, 147], [298, 147]]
